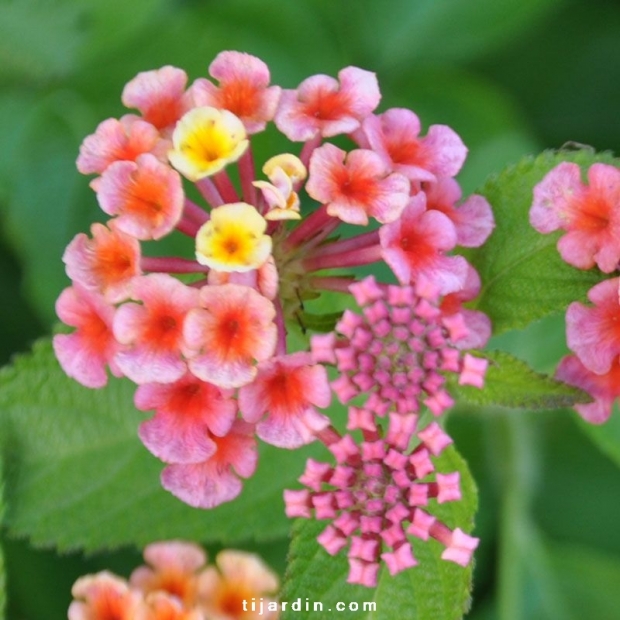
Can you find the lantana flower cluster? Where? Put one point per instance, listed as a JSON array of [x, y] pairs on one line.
[[176, 583], [589, 215], [206, 336]]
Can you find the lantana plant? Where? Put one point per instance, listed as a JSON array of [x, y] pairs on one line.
[[333, 301]]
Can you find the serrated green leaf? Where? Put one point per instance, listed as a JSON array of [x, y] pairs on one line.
[[39, 39], [523, 277], [78, 477], [434, 589], [510, 382]]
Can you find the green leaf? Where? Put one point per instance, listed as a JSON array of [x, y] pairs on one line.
[[434, 588], [39, 39], [510, 382], [523, 277], [78, 477]]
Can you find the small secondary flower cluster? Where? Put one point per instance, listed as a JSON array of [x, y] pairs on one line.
[[177, 584], [205, 335], [590, 216]]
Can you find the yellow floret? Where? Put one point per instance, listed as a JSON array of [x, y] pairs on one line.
[[290, 164], [205, 140], [233, 239]]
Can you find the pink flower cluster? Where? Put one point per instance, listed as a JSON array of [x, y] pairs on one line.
[[205, 336], [177, 584], [589, 215]]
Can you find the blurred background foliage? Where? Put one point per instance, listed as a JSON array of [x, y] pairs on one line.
[[512, 77]]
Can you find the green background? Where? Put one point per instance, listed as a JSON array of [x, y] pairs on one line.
[[511, 77]]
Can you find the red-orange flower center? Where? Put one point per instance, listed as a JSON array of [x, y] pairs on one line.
[[110, 606], [113, 264], [285, 392], [328, 106], [229, 599], [163, 329], [591, 213], [241, 98], [406, 152], [355, 186]]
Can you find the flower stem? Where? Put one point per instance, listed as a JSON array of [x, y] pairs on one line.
[[195, 213], [225, 187], [353, 258], [171, 264], [247, 174], [209, 192]]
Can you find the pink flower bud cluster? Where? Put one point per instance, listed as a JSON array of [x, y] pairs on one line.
[[205, 336], [376, 496], [177, 584], [393, 356], [589, 215]]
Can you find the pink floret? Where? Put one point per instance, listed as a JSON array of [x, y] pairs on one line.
[[159, 95], [588, 214], [287, 389], [217, 479], [477, 323], [356, 185], [243, 89], [86, 352], [146, 196], [324, 106], [187, 413], [593, 333], [415, 245], [153, 329], [473, 219], [395, 136], [105, 264], [118, 140], [231, 330], [603, 388]]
